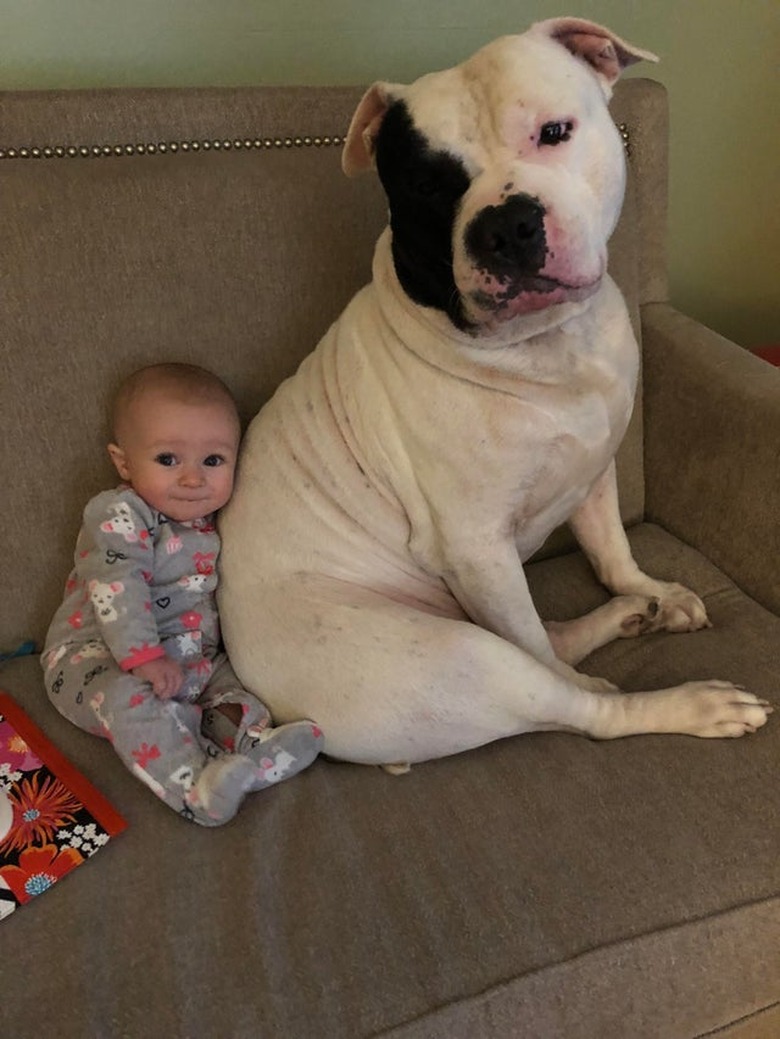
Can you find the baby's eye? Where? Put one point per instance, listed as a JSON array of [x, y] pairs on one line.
[[214, 460], [166, 458]]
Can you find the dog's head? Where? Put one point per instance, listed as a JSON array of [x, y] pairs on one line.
[[504, 175]]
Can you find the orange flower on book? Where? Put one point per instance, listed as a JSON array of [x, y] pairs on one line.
[[40, 808], [38, 869]]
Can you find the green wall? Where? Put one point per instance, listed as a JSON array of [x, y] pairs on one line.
[[719, 61]]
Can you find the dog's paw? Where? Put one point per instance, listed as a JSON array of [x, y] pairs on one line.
[[712, 709], [641, 614], [678, 609]]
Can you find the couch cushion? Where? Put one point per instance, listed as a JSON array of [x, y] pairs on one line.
[[544, 885]]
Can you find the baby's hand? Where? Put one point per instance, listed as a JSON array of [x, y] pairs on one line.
[[163, 674]]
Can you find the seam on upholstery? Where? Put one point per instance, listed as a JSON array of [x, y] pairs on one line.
[[398, 1028], [740, 1020]]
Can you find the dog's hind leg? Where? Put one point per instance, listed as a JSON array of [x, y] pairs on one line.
[[625, 616], [425, 686]]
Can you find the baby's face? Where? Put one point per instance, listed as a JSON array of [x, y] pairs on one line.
[[180, 458]]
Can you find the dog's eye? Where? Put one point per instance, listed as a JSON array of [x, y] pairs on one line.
[[424, 185], [438, 180], [555, 133]]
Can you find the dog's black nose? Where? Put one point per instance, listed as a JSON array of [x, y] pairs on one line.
[[509, 237]]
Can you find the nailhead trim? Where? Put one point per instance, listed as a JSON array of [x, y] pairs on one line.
[[98, 151], [625, 135]]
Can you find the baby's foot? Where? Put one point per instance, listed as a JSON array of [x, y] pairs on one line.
[[220, 788], [224, 723], [281, 752]]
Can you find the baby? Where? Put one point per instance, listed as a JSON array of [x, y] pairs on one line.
[[133, 653]]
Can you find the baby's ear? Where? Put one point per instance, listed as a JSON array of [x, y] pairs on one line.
[[120, 462]]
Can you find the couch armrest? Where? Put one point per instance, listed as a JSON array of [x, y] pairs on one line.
[[712, 448]]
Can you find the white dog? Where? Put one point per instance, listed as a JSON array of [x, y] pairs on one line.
[[467, 402]]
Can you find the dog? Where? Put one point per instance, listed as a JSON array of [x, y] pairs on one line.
[[469, 400]]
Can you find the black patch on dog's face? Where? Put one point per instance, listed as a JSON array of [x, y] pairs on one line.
[[424, 188]]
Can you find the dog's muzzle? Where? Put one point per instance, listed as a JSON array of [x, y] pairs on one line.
[[516, 261]]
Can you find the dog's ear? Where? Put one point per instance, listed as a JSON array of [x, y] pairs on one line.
[[601, 48], [358, 154]]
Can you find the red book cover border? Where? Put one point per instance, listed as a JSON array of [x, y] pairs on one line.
[[95, 803]]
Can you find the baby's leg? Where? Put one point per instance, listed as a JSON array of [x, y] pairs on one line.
[[159, 741], [229, 711], [239, 723]]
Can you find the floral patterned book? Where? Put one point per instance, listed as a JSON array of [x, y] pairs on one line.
[[51, 817]]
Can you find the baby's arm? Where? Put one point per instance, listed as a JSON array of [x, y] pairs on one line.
[[115, 560]]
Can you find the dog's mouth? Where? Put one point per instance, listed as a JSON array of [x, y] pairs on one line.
[[524, 294]]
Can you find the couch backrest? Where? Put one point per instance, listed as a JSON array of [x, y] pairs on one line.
[[205, 225]]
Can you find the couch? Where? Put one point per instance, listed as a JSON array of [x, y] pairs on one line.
[[540, 887]]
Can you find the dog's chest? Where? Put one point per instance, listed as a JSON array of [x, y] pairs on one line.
[[501, 441], [497, 455], [563, 455], [529, 460]]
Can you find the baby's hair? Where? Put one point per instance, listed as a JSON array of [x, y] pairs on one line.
[[184, 383]]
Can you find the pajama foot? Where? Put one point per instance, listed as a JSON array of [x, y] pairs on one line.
[[240, 724], [220, 788], [281, 752]]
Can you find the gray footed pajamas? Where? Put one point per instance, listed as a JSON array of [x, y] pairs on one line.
[[142, 588]]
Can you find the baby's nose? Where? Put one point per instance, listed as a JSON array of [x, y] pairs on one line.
[[191, 476]]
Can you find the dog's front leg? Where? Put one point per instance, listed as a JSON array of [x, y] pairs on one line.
[[492, 589], [598, 528], [490, 585]]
